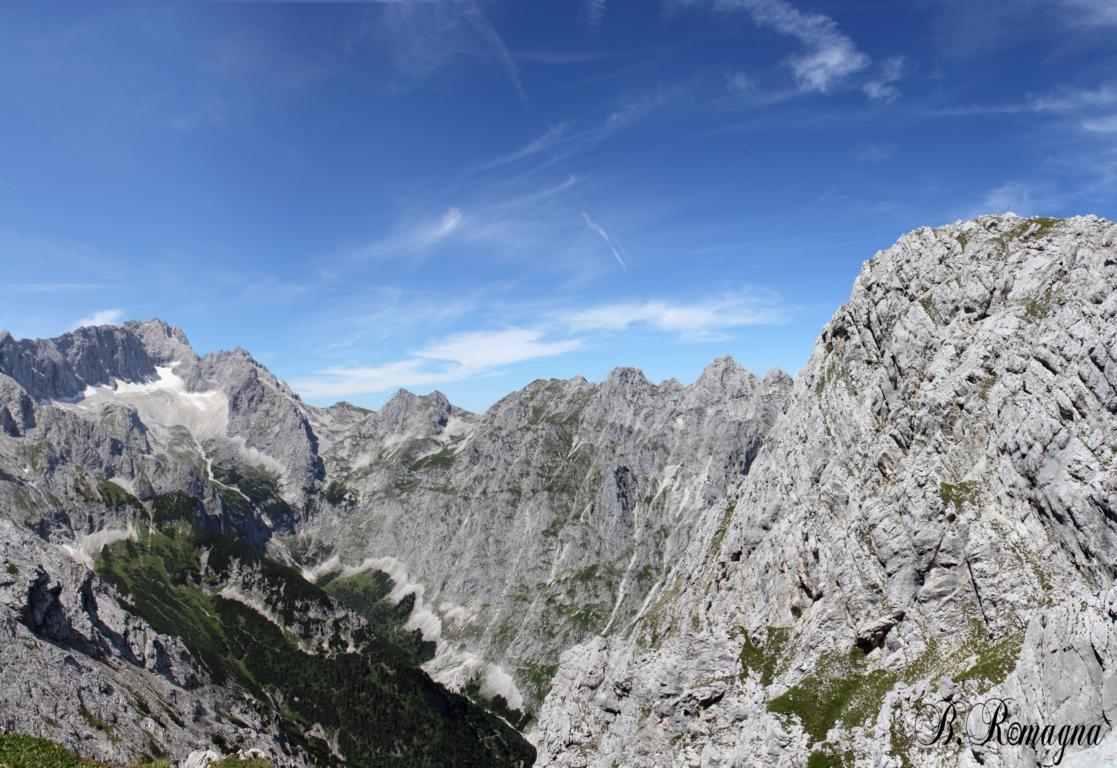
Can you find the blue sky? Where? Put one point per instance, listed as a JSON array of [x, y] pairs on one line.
[[467, 196]]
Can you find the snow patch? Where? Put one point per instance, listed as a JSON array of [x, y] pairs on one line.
[[162, 402]]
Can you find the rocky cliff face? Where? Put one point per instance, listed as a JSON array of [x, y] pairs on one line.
[[932, 516], [81, 669], [550, 518]]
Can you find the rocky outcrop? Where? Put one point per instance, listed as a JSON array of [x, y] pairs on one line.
[[61, 368], [82, 670], [939, 489]]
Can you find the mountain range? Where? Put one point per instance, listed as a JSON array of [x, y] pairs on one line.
[[743, 571]]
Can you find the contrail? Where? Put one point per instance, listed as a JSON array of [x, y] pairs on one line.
[[605, 236]]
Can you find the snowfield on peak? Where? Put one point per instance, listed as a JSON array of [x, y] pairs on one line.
[[161, 403]]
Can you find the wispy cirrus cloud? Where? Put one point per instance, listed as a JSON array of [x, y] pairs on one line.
[[422, 38], [496, 223], [739, 83], [561, 142], [592, 13], [53, 287], [883, 86], [875, 152], [1064, 101], [482, 350], [709, 319], [829, 56], [1089, 13], [415, 237], [473, 354], [99, 317], [1107, 124], [456, 357], [554, 136], [1020, 197]]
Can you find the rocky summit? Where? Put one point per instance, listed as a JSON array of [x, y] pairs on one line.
[[743, 571]]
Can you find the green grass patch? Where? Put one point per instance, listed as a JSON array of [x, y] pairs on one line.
[[928, 305], [958, 494], [538, 679], [836, 373], [367, 594], [1037, 307], [19, 751], [723, 528], [763, 658], [95, 722], [173, 507], [376, 704], [1045, 225], [995, 659], [824, 758], [341, 495], [112, 495], [444, 459], [260, 486], [841, 689]]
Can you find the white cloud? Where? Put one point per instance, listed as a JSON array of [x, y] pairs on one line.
[[1072, 100], [552, 137], [1101, 124], [694, 321], [830, 56], [595, 227], [559, 142], [882, 88], [456, 357], [593, 13], [875, 152], [474, 354], [423, 37], [1065, 101], [415, 238], [342, 382], [476, 351], [1022, 198], [100, 317], [739, 82], [1091, 13]]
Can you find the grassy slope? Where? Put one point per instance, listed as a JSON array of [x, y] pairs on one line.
[[384, 710]]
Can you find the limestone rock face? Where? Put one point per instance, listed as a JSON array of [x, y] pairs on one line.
[[545, 520], [936, 500], [57, 369]]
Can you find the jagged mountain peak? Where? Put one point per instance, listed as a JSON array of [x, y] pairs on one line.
[[405, 399], [626, 378]]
